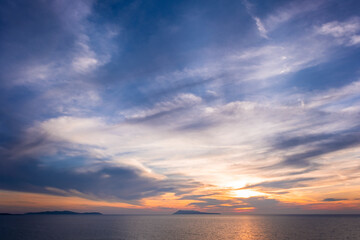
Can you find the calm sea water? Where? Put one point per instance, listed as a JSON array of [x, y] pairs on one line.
[[179, 227]]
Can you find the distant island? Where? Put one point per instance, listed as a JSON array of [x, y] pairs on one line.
[[55, 213], [62, 213], [191, 212]]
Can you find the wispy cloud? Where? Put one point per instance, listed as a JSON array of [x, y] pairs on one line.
[[346, 32], [290, 11], [334, 199], [260, 26]]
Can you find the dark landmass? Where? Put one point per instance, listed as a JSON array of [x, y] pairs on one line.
[[191, 212], [5, 214], [62, 213]]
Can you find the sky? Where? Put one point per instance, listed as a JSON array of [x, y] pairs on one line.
[[238, 106]]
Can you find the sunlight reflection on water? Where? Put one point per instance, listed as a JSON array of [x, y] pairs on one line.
[[179, 227]]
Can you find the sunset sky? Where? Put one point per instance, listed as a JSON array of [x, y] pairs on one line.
[[243, 106]]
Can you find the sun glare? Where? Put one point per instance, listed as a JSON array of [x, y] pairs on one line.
[[247, 193]]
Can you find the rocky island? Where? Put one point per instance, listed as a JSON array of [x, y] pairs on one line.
[[191, 212]]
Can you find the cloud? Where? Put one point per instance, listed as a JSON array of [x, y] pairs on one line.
[[44, 161], [262, 204], [282, 184], [334, 199], [54, 58], [346, 32], [333, 144], [259, 24], [145, 145], [288, 142], [179, 102], [238, 72], [83, 64], [257, 205], [210, 202], [289, 11], [105, 181], [261, 27], [194, 197]]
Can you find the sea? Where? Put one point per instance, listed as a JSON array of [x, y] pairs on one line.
[[182, 227]]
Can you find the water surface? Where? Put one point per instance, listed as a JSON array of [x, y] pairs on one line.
[[180, 227]]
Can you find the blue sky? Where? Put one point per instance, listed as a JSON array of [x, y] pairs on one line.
[[138, 106]]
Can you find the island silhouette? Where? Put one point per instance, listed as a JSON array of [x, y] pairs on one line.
[[191, 212], [179, 212], [55, 213]]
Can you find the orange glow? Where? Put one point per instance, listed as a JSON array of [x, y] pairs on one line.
[[44, 201], [247, 193], [167, 200], [18, 202], [244, 209]]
